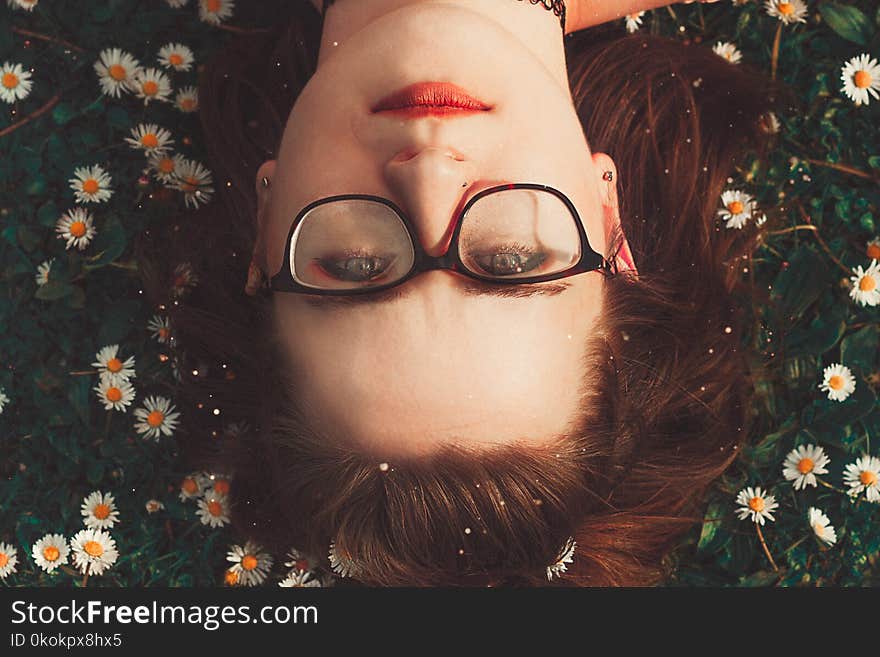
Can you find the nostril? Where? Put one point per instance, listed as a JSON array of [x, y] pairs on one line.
[[410, 153]]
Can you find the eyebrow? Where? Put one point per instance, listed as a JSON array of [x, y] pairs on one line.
[[523, 291]]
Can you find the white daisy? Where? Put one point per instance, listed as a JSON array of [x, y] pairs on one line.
[[193, 486], [15, 82], [299, 579], [219, 483], [111, 366], [566, 555], [215, 11], [728, 51], [861, 77], [864, 289], [42, 275], [115, 393], [3, 399], [91, 184], [99, 510], [24, 4], [863, 475], [152, 84], [194, 180], [50, 552], [176, 56], [249, 563], [788, 11], [150, 138], [157, 417], [184, 279], [342, 562], [77, 227], [159, 328], [821, 526], [94, 551], [738, 208], [770, 123], [152, 506], [838, 381], [872, 248], [297, 560], [761, 219], [177, 4], [755, 503], [213, 509], [633, 21], [116, 71], [187, 99], [8, 560], [803, 464], [164, 167]]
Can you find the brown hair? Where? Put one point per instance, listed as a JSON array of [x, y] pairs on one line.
[[666, 405]]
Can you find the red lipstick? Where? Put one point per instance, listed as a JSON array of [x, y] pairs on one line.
[[430, 98]]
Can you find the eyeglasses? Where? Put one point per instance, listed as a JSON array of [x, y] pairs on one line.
[[510, 234]]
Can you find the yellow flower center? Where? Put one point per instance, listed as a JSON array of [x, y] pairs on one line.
[[4, 559], [835, 382], [873, 251], [868, 478], [150, 140], [249, 562], [786, 8], [756, 504], [175, 59], [164, 333], [93, 548], [805, 465], [189, 486], [166, 165], [114, 364], [231, 578], [78, 228], [190, 184], [118, 72], [90, 186], [867, 283], [188, 104], [819, 529], [301, 564], [213, 5], [150, 88], [221, 486], [51, 553], [736, 207], [114, 394], [862, 79], [155, 418], [10, 80], [215, 508], [101, 511]]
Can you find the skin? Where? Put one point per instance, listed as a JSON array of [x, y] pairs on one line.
[[439, 365]]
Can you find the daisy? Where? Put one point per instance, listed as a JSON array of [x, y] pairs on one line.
[[633, 21], [838, 381], [566, 555], [184, 278], [214, 11], [821, 526], [3, 399], [24, 4], [156, 418], [864, 284], [8, 560], [159, 328], [91, 184], [755, 503], [803, 464], [111, 367], [219, 483], [194, 180], [861, 77], [863, 475], [152, 506], [94, 551], [152, 84], [176, 56], [872, 249], [342, 562], [116, 71], [193, 485], [176, 4], [77, 227], [770, 123], [250, 564], [99, 510], [187, 99], [42, 275], [115, 394], [50, 552], [213, 509], [738, 207], [761, 220], [728, 51], [15, 82], [296, 560], [150, 138], [164, 166], [788, 11], [299, 579]]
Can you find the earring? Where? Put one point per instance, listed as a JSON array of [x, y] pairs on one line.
[[265, 182], [608, 175], [256, 280]]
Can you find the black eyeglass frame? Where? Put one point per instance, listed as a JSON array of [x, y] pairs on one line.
[[590, 260]]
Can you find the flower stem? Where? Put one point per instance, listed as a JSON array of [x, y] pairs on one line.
[[49, 104], [764, 545], [775, 60], [827, 485]]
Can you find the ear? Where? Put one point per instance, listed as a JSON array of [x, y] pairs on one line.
[[608, 197], [267, 170]]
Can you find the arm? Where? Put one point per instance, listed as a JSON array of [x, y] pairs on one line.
[[581, 14]]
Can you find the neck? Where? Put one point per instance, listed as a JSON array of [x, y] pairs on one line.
[[537, 28]]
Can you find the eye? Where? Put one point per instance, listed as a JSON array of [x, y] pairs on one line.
[[509, 259], [355, 267]]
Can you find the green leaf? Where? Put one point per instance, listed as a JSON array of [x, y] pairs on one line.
[[62, 113], [848, 21], [799, 285], [860, 348], [711, 522], [54, 290], [109, 244], [118, 117], [78, 396], [761, 578], [95, 472], [832, 416], [874, 161], [48, 214], [28, 238]]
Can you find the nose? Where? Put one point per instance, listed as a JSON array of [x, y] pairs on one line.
[[430, 183]]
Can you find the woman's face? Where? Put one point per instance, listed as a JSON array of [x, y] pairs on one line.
[[447, 362]]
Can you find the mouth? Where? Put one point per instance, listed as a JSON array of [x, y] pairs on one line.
[[430, 99]]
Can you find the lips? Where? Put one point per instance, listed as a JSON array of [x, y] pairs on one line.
[[431, 98]]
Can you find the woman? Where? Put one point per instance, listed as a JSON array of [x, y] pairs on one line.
[[435, 400]]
